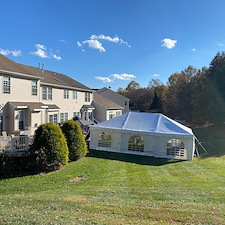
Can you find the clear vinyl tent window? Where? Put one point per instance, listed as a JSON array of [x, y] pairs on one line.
[[175, 147], [136, 143], [104, 140]]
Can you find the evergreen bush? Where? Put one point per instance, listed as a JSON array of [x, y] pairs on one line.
[[75, 139], [49, 147]]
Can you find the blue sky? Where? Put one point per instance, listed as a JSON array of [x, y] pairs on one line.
[[104, 43]]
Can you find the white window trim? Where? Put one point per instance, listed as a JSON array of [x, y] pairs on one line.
[[66, 93], [6, 83], [74, 94], [34, 88]]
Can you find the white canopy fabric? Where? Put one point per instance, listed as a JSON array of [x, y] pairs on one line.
[[152, 123]]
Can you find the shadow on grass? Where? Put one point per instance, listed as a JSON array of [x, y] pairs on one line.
[[138, 159]]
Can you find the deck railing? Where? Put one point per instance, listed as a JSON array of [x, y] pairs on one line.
[[15, 146]]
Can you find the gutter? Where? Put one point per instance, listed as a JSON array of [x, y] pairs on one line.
[[20, 74]]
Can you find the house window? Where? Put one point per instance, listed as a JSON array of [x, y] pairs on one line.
[[90, 115], [34, 87], [125, 103], [111, 115], [85, 115], [175, 147], [87, 96], [46, 93], [6, 84], [20, 117], [136, 143], [1, 124], [66, 116], [53, 118], [66, 93], [118, 113], [76, 114], [63, 117], [50, 118], [74, 94], [104, 140]]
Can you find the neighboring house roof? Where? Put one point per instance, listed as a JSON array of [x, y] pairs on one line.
[[47, 77], [108, 93], [152, 123], [105, 102]]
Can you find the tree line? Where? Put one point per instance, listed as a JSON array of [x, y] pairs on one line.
[[194, 95]]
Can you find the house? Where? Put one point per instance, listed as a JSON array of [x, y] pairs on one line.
[[115, 97], [31, 96], [150, 134], [105, 109]]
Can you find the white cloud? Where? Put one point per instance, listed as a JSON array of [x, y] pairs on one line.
[[123, 76], [104, 79], [168, 43], [5, 52], [15, 53], [108, 38], [95, 44], [61, 40], [40, 51], [39, 46], [79, 44], [193, 49], [156, 75], [56, 57], [115, 76]]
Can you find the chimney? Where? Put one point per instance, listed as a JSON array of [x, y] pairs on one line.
[[38, 66], [42, 67]]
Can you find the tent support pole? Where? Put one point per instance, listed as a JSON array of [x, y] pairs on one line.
[[200, 144]]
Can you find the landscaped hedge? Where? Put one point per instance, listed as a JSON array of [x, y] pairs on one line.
[[75, 139], [49, 147]]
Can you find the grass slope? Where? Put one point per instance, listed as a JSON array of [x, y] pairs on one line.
[[120, 189]]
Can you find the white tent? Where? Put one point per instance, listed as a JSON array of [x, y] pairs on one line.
[[150, 134]]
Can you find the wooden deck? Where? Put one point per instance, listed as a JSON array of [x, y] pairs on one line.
[[16, 146]]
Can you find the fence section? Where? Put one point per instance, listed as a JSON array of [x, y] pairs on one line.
[[15, 146]]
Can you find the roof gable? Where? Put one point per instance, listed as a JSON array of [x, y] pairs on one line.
[[108, 93]]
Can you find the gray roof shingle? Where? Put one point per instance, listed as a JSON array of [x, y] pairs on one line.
[[49, 77]]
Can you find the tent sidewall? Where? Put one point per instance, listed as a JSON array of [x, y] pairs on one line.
[[154, 144]]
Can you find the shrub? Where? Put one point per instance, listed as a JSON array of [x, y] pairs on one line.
[[75, 139], [50, 147]]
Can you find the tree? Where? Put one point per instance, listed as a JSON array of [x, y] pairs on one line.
[[215, 85], [132, 85], [49, 147], [153, 83], [158, 102], [179, 100], [75, 139]]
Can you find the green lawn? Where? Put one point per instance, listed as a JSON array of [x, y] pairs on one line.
[[106, 188]]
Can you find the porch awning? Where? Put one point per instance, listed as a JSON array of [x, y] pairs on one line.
[[52, 107], [88, 107], [35, 106]]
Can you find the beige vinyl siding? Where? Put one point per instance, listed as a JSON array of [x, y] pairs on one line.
[[21, 90]]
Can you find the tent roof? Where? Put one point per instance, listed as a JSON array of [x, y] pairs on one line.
[[154, 123]]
